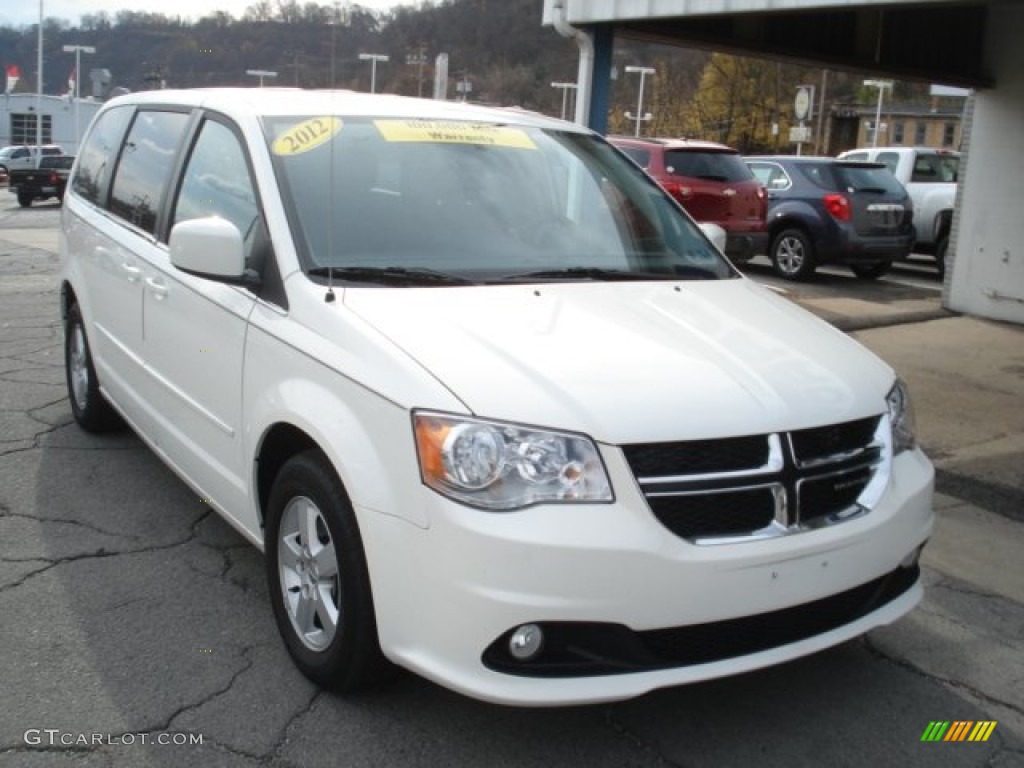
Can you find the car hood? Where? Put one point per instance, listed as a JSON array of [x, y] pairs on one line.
[[632, 362]]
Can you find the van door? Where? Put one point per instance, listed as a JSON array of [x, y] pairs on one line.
[[195, 328], [108, 247]]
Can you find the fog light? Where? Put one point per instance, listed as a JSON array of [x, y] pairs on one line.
[[526, 642]]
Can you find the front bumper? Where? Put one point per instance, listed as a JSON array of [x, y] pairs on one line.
[[447, 594]]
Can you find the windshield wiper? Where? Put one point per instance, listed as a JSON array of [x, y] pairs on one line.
[[586, 272], [391, 275]]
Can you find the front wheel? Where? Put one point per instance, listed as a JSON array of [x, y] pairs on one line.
[[92, 412], [318, 579], [792, 255], [870, 271]]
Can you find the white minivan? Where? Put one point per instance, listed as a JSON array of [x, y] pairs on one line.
[[493, 406]]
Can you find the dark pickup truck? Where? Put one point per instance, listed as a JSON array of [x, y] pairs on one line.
[[44, 182]]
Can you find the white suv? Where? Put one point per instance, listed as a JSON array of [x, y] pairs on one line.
[[491, 403]]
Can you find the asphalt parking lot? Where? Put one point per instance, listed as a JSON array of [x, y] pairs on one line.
[[136, 629]]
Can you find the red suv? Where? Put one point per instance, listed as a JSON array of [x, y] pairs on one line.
[[712, 183]]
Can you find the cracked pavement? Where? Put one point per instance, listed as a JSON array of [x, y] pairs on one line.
[[129, 609]]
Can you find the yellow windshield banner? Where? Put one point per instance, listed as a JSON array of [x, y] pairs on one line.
[[454, 132], [305, 136]]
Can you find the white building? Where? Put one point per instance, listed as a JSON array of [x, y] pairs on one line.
[[64, 121]]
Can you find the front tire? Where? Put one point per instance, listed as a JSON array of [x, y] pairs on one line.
[[90, 409], [318, 580], [792, 255]]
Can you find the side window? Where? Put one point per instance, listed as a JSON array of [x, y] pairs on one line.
[[855, 156], [924, 169], [98, 154], [145, 166], [216, 181]]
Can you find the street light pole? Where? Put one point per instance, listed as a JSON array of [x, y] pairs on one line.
[[78, 50], [640, 116], [39, 87], [418, 59], [881, 85], [373, 58], [260, 73], [565, 87]]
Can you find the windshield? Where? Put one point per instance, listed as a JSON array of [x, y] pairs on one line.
[[413, 199]]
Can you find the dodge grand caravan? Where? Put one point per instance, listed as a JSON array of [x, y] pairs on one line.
[[491, 404]]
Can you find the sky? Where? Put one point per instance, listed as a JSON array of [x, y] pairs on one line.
[[25, 12]]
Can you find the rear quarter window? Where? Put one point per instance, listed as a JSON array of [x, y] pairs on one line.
[[98, 154], [819, 174]]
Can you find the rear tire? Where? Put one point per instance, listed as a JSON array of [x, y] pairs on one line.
[[871, 271], [318, 580], [792, 255], [90, 409], [941, 247], [24, 200]]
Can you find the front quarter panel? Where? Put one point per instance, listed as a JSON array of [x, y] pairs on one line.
[[318, 384]]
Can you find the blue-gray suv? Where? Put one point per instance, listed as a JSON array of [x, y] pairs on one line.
[[825, 210]]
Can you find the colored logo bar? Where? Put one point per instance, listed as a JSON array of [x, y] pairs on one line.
[[958, 730]]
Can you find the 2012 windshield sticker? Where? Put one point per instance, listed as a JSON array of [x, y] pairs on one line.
[[453, 132], [305, 136]]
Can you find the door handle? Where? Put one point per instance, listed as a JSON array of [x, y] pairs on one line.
[[157, 287], [131, 271]]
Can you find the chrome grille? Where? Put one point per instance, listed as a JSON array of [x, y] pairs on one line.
[[717, 491]]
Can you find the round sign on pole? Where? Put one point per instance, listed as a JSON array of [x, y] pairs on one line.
[[802, 103]]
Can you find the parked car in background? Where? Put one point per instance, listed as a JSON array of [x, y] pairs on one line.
[[19, 156], [712, 184], [825, 210], [42, 183], [930, 177]]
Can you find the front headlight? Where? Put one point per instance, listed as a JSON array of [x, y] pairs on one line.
[[501, 466], [901, 417]]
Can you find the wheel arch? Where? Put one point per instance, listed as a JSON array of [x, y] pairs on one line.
[[793, 215], [280, 442], [942, 225], [67, 298]]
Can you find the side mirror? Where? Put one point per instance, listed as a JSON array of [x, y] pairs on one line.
[[210, 247], [714, 233]]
